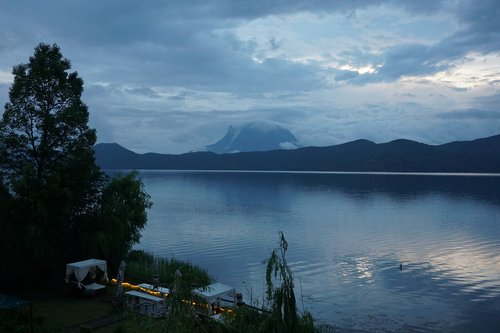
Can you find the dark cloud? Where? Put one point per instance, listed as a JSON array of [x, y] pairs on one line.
[[481, 17], [409, 60], [143, 91], [175, 39], [176, 43], [274, 43], [254, 9], [149, 67]]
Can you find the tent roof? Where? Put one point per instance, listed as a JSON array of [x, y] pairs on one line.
[[87, 263], [144, 295], [214, 290], [152, 288]]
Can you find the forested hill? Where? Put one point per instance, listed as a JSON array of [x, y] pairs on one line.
[[481, 155]]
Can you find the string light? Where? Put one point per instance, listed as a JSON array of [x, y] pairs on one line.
[[160, 294]]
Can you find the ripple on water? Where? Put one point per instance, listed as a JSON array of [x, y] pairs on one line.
[[347, 236]]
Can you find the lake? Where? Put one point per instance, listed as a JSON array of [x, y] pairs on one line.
[[347, 236]]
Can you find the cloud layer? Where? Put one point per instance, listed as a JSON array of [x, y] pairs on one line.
[[172, 76]]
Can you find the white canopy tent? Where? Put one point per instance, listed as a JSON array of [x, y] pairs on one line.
[[146, 304], [81, 268], [215, 291]]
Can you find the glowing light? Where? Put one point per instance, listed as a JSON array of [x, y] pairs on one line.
[[160, 294]]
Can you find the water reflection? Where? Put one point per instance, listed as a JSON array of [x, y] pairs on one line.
[[347, 236], [475, 266]]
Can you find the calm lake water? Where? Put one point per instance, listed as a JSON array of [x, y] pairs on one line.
[[347, 235]]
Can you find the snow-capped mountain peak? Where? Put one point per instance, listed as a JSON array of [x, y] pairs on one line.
[[254, 136]]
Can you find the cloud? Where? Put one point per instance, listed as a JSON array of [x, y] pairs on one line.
[[143, 91], [346, 75], [482, 119], [6, 78], [177, 43], [489, 102], [459, 89], [471, 114], [175, 38], [254, 9], [171, 76], [409, 60], [480, 33]]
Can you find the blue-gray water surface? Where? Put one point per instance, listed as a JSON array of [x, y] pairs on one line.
[[347, 235]]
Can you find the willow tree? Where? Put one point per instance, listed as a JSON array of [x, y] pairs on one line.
[[48, 172], [284, 317]]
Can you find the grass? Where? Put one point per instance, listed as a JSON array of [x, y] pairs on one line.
[[179, 323], [65, 311], [61, 312], [133, 324], [142, 266]]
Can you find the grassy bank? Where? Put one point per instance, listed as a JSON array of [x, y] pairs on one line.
[[59, 310], [68, 313], [65, 311], [142, 266]]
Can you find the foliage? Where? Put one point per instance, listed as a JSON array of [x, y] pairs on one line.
[[284, 307], [180, 323], [61, 312], [120, 219], [120, 329], [19, 321], [283, 316], [51, 190], [47, 159], [142, 266], [248, 320]]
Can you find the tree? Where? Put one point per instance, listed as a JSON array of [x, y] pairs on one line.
[[49, 181], [47, 159], [282, 316], [120, 219], [280, 293], [44, 125]]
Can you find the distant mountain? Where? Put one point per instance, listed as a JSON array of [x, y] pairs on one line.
[[255, 136], [481, 155], [114, 156]]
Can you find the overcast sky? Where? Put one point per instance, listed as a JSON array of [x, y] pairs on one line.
[[171, 76]]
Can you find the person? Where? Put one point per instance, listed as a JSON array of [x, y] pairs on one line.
[[401, 266]]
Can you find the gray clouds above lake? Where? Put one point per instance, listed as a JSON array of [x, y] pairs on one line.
[[171, 76]]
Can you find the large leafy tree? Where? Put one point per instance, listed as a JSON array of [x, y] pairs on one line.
[[45, 129], [50, 185], [120, 218]]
